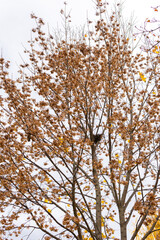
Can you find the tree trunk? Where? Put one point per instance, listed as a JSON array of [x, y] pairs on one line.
[[98, 229], [122, 224]]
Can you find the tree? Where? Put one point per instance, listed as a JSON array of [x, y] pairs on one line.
[[152, 230], [80, 136], [150, 33]]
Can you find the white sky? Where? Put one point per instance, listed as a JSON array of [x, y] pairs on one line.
[[16, 24]]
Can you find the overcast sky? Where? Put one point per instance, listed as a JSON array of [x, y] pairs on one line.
[[16, 24]]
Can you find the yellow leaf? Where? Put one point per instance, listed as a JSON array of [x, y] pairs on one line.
[[119, 161], [49, 210], [139, 193], [47, 201], [85, 35], [84, 209], [155, 51], [103, 235], [117, 155], [142, 77], [61, 139], [48, 180], [111, 218], [66, 149]]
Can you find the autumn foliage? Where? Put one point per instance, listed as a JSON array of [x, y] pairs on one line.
[[79, 136]]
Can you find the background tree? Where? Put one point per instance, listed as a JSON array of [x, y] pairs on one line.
[[80, 136], [150, 32], [152, 231]]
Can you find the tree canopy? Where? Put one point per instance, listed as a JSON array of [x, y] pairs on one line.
[[79, 136]]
